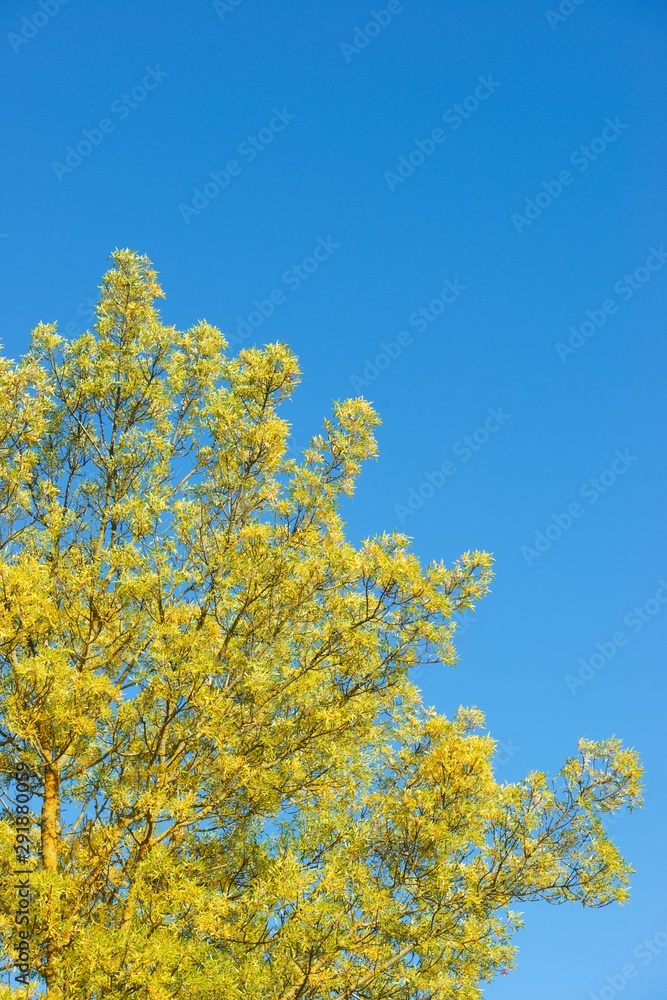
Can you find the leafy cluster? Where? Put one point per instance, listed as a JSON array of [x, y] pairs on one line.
[[239, 793]]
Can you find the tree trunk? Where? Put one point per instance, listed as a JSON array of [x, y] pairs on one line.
[[49, 833]]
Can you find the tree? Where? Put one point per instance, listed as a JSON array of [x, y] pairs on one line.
[[232, 787]]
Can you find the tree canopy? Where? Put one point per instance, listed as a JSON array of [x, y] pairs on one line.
[[235, 789]]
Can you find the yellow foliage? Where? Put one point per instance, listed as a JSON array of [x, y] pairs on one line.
[[237, 790]]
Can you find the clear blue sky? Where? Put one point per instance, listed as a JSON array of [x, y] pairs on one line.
[[540, 199]]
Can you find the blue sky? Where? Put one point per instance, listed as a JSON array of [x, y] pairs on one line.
[[456, 210]]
